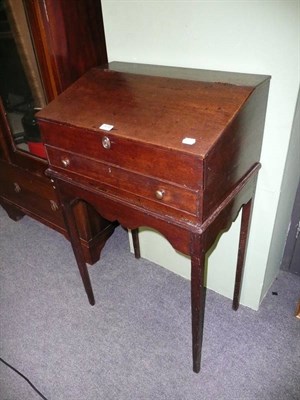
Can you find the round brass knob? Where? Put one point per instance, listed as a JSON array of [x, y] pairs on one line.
[[65, 161], [106, 142], [159, 194]]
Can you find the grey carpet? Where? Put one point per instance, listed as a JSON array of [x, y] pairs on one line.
[[135, 343]]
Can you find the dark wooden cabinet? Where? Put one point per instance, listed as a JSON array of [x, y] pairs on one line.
[[66, 38], [170, 148]]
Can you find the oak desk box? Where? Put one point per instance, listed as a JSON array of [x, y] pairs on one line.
[[170, 148]]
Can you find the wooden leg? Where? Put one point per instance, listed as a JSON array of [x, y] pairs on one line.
[[246, 213], [70, 223], [297, 313], [13, 212], [198, 292], [136, 242]]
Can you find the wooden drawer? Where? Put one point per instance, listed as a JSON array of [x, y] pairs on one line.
[[31, 193], [139, 189], [155, 161]]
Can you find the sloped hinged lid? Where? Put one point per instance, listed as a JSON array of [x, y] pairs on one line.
[[185, 112]]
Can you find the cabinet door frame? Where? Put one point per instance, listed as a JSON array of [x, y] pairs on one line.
[[47, 20], [53, 23]]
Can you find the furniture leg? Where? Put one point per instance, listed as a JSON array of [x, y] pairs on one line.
[[70, 223], [297, 313], [246, 213], [14, 213], [136, 242], [198, 292]]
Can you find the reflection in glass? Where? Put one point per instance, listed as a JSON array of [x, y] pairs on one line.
[[20, 85]]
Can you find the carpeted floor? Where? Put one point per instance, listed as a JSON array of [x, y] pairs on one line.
[[135, 343]]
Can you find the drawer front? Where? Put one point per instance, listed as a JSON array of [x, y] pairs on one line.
[[161, 163], [139, 189], [31, 193]]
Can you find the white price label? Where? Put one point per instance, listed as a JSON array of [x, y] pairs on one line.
[[106, 127], [189, 141]]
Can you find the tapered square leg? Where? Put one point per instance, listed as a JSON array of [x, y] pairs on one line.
[[244, 232], [136, 242], [198, 292], [70, 223]]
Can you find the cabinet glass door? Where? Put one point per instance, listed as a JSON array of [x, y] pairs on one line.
[[21, 87]]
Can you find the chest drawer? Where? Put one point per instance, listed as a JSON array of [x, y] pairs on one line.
[[132, 155], [145, 191], [29, 192]]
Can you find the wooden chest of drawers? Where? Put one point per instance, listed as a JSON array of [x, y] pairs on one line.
[[29, 194], [174, 149], [26, 193]]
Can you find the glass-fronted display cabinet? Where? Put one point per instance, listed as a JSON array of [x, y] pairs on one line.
[[21, 87], [45, 45]]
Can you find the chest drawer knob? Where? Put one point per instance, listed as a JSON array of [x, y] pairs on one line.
[[53, 205], [65, 161], [159, 194], [106, 142], [17, 188]]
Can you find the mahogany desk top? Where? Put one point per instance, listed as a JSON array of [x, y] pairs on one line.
[[171, 148]]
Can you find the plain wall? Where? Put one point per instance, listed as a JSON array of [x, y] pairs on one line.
[[287, 197], [242, 36]]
